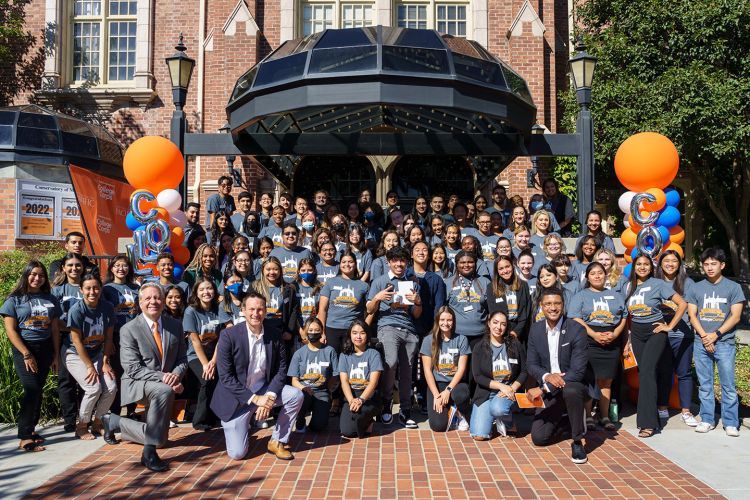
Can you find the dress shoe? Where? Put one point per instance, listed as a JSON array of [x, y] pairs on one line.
[[109, 430], [279, 450], [152, 462]]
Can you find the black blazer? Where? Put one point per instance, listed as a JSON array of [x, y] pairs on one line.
[[572, 351], [481, 368], [232, 361]]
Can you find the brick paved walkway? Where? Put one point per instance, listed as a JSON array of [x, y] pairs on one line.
[[402, 463]]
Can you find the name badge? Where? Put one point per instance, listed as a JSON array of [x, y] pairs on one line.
[[609, 297], [646, 289], [456, 288], [363, 364], [567, 343], [452, 351], [468, 308], [499, 299], [513, 361], [324, 363]]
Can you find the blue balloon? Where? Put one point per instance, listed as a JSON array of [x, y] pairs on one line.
[[664, 233], [131, 222], [673, 197], [669, 217], [635, 253], [628, 269], [178, 270]]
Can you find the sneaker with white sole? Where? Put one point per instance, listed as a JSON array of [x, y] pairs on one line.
[[704, 427], [463, 425], [689, 420], [664, 414], [500, 426], [732, 431], [452, 418], [404, 418]]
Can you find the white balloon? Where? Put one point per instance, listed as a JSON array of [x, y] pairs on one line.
[[626, 222], [178, 218], [170, 200], [624, 201]]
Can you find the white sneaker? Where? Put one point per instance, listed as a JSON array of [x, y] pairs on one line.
[[689, 420], [664, 414], [704, 427], [732, 431], [500, 426], [463, 425]]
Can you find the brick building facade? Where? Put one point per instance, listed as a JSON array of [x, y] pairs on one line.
[[106, 59]]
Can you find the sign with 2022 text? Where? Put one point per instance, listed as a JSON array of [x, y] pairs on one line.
[[45, 210]]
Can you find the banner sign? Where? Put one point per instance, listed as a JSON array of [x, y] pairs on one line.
[[104, 204], [45, 210]]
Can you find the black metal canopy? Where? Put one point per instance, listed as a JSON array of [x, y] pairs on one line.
[[360, 85], [34, 134]]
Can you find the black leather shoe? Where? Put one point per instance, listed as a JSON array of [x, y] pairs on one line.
[[109, 432], [153, 462]]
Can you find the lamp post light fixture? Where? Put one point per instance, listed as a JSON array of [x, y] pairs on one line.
[[180, 71], [534, 170], [582, 66]]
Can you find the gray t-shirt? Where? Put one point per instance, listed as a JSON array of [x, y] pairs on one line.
[[450, 352], [34, 314], [364, 261], [92, 323], [466, 298], [605, 308], [234, 317], [644, 304], [346, 301], [67, 295], [388, 315], [314, 368], [378, 268], [668, 308], [326, 272], [360, 367], [124, 298], [206, 325], [308, 301], [216, 203], [290, 260], [500, 363], [715, 301], [273, 232]]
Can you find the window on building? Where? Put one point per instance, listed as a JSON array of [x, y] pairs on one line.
[[412, 16], [356, 15], [104, 35], [317, 17], [451, 19]]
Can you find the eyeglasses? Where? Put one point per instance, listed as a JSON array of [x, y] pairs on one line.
[[242, 261], [225, 185], [290, 234], [483, 222]]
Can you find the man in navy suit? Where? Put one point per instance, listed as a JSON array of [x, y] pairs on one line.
[[557, 356], [252, 370]]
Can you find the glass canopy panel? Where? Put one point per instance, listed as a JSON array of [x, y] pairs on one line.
[[280, 70], [38, 138], [37, 120], [77, 138], [343, 38], [336, 60], [412, 38], [478, 70], [415, 60], [463, 46], [244, 83], [109, 150], [7, 119], [517, 85], [287, 48]]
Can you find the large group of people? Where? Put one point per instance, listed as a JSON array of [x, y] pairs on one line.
[[306, 310]]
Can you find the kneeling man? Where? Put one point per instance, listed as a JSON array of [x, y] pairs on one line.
[[252, 370]]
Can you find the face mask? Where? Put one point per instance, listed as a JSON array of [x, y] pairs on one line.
[[235, 289], [369, 215], [308, 226], [314, 337], [307, 277], [537, 205], [339, 228]]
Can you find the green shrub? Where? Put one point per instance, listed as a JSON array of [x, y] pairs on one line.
[[12, 264]]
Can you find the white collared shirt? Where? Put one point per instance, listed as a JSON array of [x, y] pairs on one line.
[[163, 337], [256, 368], [553, 341]]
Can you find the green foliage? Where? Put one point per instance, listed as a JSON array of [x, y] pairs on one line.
[[21, 65], [12, 264], [679, 68], [564, 170], [742, 372]]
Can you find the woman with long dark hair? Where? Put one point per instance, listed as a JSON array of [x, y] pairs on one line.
[[510, 294], [174, 302], [230, 309], [498, 366], [445, 361], [379, 267], [358, 246], [648, 335], [585, 252], [30, 316], [594, 228], [439, 263], [452, 242], [421, 211], [222, 224], [546, 278]]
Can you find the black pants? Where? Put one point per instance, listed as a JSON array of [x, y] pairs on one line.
[[33, 384], [648, 348], [319, 409], [68, 389], [550, 425], [356, 424], [459, 395], [664, 375], [203, 414], [335, 338]]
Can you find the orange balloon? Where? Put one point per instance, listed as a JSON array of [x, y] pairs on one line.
[[153, 163], [177, 238], [628, 238], [661, 200], [161, 213], [646, 160], [181, 255], [674, 246], [628, 258], [676, 235]]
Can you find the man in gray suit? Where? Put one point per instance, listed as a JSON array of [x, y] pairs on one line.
[[153, 356]]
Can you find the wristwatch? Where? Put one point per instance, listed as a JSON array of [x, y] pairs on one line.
[[448, 388]]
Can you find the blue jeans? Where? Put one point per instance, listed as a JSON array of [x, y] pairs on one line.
[[724, 358], [483, 416]]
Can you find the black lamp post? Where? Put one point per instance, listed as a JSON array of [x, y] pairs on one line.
[[180, 71], [582, 66], [534, 170], [234, 174]]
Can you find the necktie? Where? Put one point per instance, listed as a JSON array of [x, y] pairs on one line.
[[157, 338]]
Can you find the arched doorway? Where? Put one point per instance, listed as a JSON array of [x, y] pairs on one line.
[[427, 175], [342, 177]]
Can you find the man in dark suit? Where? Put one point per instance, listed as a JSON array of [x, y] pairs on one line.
[[252, 370], [557, 356], [153, 356]]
